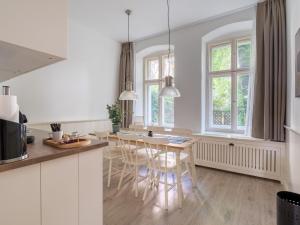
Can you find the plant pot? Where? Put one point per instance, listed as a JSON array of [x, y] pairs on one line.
[[116, 128]]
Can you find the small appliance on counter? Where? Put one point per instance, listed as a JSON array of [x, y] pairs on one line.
[[13, 140]]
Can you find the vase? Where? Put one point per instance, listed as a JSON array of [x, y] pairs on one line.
[[116, 128]]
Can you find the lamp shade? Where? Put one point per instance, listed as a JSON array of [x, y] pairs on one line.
[[128, 95], [169, 90]]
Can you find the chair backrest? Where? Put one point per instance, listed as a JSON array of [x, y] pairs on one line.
[[129, 147], [102, 135], [135, 127], [138, 120], [154, 146], [182, 131], [156, 128]]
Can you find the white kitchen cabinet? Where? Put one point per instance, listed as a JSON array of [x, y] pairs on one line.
[[90, 188], [20, 196], [59, 188]]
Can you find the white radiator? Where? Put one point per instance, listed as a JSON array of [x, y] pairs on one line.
[[247, 156]]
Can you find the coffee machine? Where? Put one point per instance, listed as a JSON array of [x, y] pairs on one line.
[[13, 139]]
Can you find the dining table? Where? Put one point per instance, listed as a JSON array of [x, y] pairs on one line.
[[177, 144]]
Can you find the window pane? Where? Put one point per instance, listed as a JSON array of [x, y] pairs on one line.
[[168, 111], [221, 102], [153, 104], [221, 58], [243, 54], [166, 66], [242, 100], [153, 69]]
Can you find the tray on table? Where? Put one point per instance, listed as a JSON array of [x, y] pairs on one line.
[[81, 142]]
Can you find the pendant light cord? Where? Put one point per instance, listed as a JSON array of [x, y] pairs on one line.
[[169, 31], [128, 26]]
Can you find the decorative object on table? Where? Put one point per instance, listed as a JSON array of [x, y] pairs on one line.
[[57, 133], [55, 127], [297, 58], [76, 143], [150, 133], [128, 94], [169, 90], [115, 115]]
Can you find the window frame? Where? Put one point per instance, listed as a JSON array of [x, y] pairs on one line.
[[160, 82], [233, 72]]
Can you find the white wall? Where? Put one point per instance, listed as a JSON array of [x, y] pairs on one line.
[[187, 44], [75, 89], [293, 24]]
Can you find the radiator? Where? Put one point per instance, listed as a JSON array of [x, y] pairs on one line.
[[252, 157]]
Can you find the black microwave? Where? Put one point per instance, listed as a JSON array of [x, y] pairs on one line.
[[13, 141]]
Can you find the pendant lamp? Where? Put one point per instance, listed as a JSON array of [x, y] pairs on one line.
[[129, 93], [169, 90]]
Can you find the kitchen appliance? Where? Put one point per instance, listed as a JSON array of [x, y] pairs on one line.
[[13, 141]]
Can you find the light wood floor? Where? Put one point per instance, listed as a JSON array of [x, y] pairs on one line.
[[219, 198]]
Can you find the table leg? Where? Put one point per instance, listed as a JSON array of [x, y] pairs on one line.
[[178, 174], [193, 166]]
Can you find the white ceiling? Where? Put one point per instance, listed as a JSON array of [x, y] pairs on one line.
[[149, 17]]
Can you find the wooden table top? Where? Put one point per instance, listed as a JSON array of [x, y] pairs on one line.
[[180, 146], [38, 152]]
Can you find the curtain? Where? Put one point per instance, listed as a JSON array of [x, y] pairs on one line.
[[249, 117], [126, 75], [269, 109]]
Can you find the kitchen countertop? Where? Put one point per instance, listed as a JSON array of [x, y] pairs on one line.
[[38, 152]]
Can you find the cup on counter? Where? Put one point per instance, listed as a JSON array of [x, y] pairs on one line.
[[56, 136]]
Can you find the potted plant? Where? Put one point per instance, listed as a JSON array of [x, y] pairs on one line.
[[115, 115]]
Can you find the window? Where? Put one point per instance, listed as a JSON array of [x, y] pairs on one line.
[[158, 111], [228, 85]]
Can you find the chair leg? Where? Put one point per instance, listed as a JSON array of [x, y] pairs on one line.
[[166, 191], [149, 180], [122, 176], [188, 168], [173, 177], [109, 173], [136, 180]]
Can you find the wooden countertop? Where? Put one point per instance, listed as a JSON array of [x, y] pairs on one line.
[[38, 152]]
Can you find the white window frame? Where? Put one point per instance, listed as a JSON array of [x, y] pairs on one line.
[[233, 73], [160, 81]]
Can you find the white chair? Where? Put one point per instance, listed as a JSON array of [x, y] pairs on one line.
[[156, 129], [135, 127], [138, 120], [160, 163], [111, 153], [181, 131], [133, 158]]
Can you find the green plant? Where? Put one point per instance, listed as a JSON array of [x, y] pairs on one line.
[[114, 112]]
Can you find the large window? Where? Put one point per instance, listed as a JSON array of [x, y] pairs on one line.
[[228, 85], [158, 111]]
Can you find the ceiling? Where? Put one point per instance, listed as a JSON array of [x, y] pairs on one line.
[[149, 17]]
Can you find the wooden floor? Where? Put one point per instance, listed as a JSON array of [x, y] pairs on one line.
[[219, 198]]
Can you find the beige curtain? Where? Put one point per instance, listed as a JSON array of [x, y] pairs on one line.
[[126, 74], [270, 90]]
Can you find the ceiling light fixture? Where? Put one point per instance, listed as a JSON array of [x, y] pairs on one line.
[[169, 90], [128, 94]]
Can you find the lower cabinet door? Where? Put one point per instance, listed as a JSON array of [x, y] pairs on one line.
[[20, 196], [59, 188], [90, 188]]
